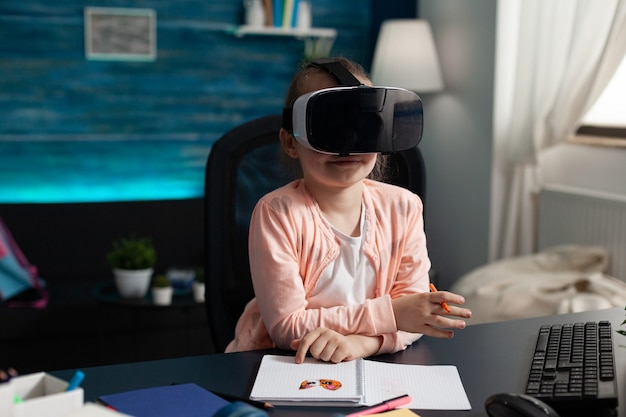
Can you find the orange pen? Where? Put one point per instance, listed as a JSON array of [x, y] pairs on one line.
[[444, 304]]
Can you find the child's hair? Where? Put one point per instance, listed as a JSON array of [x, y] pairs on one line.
[[297, 88], [308, 69]]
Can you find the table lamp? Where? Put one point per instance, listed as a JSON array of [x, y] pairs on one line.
[[405, 56]]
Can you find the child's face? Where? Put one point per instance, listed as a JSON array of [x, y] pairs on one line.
[[333, 171]]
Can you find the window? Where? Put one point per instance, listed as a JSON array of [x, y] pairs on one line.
[[605, 123]]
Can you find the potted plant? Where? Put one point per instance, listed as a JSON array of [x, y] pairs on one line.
[[132, 259], [198, 286], [162, 290]]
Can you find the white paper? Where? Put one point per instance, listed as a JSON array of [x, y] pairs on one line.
[[431, 387], [279, 378]]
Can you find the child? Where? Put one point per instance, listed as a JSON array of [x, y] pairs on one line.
[[338, 261]]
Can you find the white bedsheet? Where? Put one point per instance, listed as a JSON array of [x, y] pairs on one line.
[[561, 279]]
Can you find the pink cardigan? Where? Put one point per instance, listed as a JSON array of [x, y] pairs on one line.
[[291, 244]]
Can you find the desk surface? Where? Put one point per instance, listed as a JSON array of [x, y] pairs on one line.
[[491, 358]]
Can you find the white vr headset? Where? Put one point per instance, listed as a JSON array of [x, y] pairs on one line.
[[356, 118]]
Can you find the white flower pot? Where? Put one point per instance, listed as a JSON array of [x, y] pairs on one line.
[[198, 291], [162, 296], [132, 283]]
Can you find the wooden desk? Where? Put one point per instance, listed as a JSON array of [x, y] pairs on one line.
[[491, 358]]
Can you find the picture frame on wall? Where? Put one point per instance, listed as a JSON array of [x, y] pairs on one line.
[[120, 34]]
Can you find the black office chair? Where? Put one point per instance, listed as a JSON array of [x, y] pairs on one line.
[[244, 165]]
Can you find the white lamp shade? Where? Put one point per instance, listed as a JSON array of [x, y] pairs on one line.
[[405, 57]]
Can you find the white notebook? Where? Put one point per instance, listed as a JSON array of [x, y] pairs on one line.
[[281, 381]]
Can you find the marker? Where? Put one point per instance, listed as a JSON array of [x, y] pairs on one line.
[[444, 304], [76, 380], [384, 406]]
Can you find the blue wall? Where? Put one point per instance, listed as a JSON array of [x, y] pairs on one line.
[[72, 129]]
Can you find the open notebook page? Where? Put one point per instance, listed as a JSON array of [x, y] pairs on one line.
[[436, 387], [280, 380], [431, 387]]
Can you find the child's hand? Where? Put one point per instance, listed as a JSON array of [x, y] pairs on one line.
[[330, 346], [423, 313]]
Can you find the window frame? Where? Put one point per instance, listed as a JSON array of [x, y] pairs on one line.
[[600, 136], [594, 132]]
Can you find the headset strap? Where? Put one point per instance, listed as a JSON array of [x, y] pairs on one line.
[[344, 77]]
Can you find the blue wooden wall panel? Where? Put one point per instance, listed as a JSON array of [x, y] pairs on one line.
[[46, 76], [203, 82]]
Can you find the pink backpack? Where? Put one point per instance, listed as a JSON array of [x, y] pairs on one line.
[[20, 285]]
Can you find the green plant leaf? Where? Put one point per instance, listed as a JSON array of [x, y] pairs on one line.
[[622, 332], [132, 253]]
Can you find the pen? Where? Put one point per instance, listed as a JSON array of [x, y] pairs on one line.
[[444, 304], [76, 380], [233, 398], [384, 406]]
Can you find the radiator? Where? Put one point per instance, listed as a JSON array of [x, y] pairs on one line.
[[576, 216]]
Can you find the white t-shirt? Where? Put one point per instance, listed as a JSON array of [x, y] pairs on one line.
[[351, 278]]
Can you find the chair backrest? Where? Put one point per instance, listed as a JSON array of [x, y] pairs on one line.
[[244, 165]]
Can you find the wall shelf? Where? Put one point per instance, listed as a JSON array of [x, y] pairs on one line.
[[317, 41], [297, 33]]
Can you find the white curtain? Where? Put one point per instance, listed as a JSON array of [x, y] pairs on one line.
[[553, 59]]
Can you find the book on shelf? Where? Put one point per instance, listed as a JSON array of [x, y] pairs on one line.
[[281, 13], [277, 12], [269, 12], [280, 381]]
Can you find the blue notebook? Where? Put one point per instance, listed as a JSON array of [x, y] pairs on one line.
[[189, 400]]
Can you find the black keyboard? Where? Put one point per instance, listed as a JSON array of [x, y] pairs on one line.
[[573, 367]]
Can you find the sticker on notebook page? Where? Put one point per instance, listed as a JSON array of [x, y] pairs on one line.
[[329, 384]]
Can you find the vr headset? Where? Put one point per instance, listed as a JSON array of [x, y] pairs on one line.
[[354, 118]]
